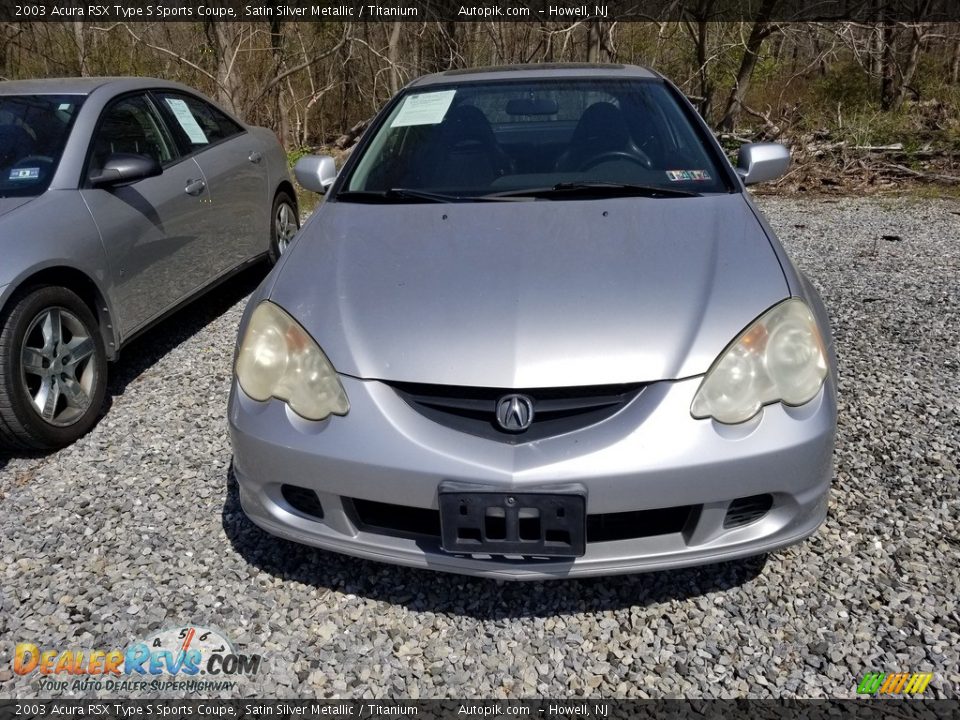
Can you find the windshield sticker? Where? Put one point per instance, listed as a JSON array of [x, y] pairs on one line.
[[25, 174], [187, 121], [64, 106], [688, 175], [424, 109]]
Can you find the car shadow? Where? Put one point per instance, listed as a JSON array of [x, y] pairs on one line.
[[144, 351], [479, 598]]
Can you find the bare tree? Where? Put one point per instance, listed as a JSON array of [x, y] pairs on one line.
[[698, 26], [600, 46], [761, 29]]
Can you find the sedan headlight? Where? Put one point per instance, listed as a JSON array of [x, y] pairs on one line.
[[279, 359], [780, 357]]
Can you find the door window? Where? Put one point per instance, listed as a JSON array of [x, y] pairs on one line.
[[130, 125], [198, 123]]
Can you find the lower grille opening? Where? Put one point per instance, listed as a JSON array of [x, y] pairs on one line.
[[405, 521], [637, 524], [746, 510], [302, 500], [398, 520]]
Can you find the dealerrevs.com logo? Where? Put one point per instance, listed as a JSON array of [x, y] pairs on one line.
[[894, 683], [187, 658]]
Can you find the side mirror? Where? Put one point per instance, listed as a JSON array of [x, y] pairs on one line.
[[124, 168], [762, 162], [316, 172]]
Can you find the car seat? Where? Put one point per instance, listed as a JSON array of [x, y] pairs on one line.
[[464, 152], [601, 129]]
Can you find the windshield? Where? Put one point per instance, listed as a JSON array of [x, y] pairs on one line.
[[497, 140], [33, 131]]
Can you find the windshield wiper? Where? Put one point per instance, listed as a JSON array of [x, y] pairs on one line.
[[394, 195], [594, 189]]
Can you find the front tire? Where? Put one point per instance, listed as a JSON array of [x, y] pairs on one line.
[[284, 224], [53, 370]]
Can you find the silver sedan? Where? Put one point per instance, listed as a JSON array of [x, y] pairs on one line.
[[120, 200], [538, 329]]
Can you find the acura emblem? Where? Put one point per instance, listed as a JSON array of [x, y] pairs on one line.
[[515, 412]]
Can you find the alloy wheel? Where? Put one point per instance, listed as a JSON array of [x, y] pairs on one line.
[[57, 366], [285, 226]]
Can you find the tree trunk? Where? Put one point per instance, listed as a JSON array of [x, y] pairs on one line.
[[81, 42], [393, 55], [955, 66], [8, 32], [910, 68], [225, 39], [600, 42], [875, 39], [593, 41], [888, 68], [281, 119], [761, 29], [706, 86]]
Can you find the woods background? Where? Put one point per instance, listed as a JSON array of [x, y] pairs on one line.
[[844, 91]]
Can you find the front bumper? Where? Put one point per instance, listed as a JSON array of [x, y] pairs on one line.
[[651, 455]]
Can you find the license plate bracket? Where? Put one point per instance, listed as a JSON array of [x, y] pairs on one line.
[[547, 521]]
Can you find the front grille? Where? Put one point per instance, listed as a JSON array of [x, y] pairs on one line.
[[406, 521], [746, 510], [557, 411]]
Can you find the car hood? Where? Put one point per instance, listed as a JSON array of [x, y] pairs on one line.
[[530, 294], [8, 204]]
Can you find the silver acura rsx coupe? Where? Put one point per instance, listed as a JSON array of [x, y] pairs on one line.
[[538, 329]]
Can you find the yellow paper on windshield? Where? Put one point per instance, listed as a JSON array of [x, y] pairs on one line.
[[424, 108]]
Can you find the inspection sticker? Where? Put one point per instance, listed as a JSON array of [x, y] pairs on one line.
[[688, 175], [424, 108], [25, 174]]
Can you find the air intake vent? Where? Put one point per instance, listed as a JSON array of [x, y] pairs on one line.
[[556, 411], [746, 510], [405, 521], [303, 500]]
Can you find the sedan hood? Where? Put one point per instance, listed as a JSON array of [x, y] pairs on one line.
[[12, 203], [530, 294]]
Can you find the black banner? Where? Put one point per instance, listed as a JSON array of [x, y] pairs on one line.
[[538, 11], [572, 709]]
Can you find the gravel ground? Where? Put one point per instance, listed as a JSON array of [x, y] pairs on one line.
[[137, 527]]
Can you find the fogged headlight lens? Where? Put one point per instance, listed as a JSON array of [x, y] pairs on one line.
[[279, 359], [780, 357]]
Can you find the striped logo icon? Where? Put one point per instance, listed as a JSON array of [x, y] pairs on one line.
[[894, 683]]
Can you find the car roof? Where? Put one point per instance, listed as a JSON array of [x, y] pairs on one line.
[[79, 85], [539, 71]]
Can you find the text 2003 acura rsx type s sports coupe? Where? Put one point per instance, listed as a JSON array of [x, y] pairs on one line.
[[538, 329], [120, 199]]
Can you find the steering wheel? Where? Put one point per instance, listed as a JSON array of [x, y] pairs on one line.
[[637, 156]]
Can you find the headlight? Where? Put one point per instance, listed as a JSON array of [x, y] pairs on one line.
[[279, 359], [780, 357]]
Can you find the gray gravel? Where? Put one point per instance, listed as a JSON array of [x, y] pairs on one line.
[[137, 527]]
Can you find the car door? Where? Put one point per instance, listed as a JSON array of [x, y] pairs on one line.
[[236, 172], [150, 228]]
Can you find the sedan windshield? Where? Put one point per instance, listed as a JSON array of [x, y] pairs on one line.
[[33, 132], [535, 139]]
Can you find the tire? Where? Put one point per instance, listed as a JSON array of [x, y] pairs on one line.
[[53, 370], [284, 224]]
